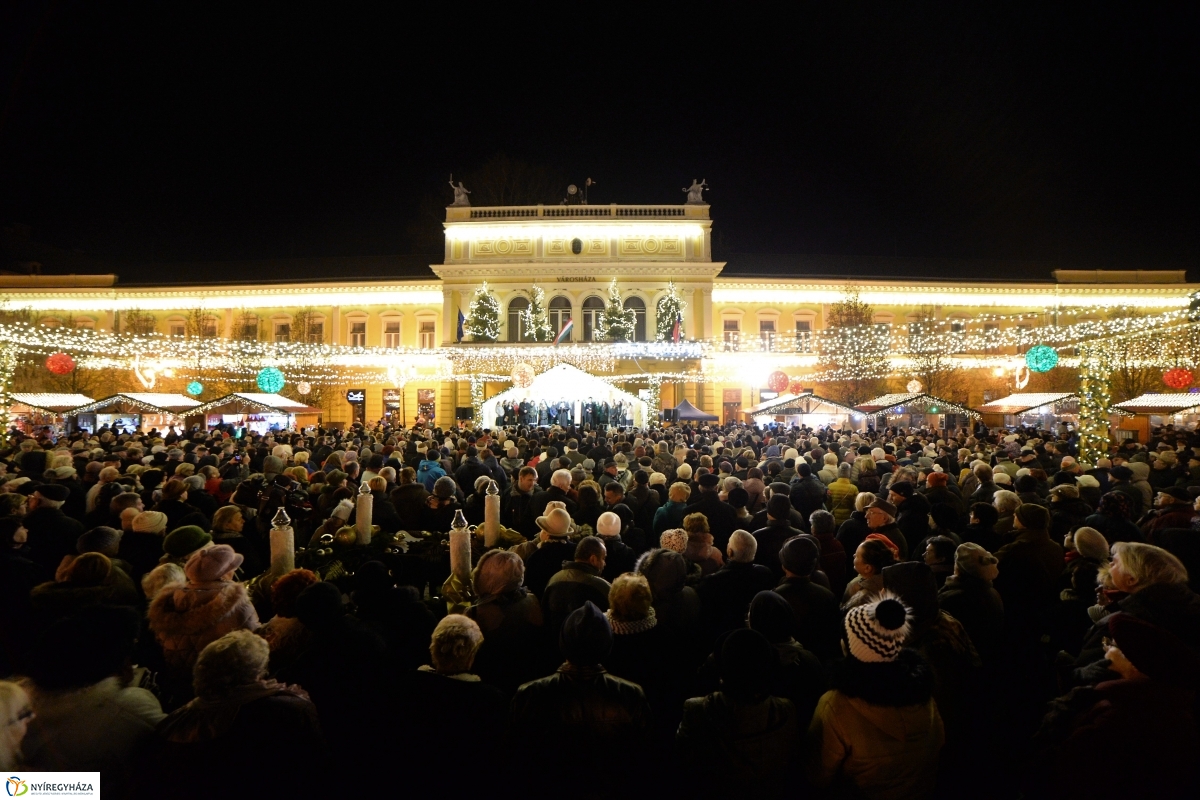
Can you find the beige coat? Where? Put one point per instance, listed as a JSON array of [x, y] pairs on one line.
[[887, 752]]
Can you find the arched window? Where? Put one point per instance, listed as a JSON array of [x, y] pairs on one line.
[[516, 319], [593, 308], [560, 312], [638, 306]]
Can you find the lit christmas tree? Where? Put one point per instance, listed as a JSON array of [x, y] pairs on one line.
[[537, 317], [483, 317], [669, 310], [617, 323]]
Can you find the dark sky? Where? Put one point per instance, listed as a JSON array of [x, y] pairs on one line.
[[140, 137]]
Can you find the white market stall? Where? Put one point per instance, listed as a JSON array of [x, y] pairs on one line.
[[803, 409], [916, 410], [1038, 409], [141, 411], [31, 410], [259, 412], [570, 390]]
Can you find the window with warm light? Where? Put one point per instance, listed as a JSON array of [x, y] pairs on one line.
[[427, 334], [391, 333], [358, 333]]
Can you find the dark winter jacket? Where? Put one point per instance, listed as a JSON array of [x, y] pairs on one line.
[[817, 615], [974, 603], [1029, 570], [1149, 721], [726, 594], [755, 745]]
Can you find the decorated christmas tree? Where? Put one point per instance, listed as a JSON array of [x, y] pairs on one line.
[[483, 317], [617, 323], [537, 317], [669, 310]]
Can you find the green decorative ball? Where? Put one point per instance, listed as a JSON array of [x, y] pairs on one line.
[[194, 388], [270, 380], [1041, 358]]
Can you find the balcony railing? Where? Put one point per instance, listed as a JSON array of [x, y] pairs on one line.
[[609, 211]]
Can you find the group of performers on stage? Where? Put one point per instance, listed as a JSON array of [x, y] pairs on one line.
[[562, 412]]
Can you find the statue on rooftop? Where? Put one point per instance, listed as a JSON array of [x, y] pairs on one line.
[[460, 193], [695, 192]]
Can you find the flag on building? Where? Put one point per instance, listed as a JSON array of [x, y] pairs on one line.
[[565, 332], [461, 320], [678, 327]]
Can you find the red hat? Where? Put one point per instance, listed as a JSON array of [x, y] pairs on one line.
[[1157, 653], [887, 543]]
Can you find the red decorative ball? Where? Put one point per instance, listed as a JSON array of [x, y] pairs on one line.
[[1178, 378], [777, 381], [60, 363], [795, 387]]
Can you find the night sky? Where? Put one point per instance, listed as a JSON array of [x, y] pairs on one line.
[[1055, 136]]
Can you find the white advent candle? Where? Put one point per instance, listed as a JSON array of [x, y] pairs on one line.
[[491, 515], [363, 506], [283, 544]]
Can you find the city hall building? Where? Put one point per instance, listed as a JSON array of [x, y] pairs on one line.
[[396, 348]]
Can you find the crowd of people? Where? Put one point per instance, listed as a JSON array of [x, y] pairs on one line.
[[706, 611]]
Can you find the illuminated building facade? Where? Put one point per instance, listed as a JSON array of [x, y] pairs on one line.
[[396, 341]]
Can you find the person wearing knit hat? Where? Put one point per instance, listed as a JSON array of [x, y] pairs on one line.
[[882, 688], [1032, 517], [186, 618], [674, 539], [179, 544]]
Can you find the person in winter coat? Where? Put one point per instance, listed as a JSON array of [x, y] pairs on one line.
[[853, 531], [912, 513], [671, 513], [725, 595], [968, 596], [242, 720], [511, 620], [429, 471], [210, 605], [1067, 511], [842, 494], [944, 644], [1172, 509], [877, 732], [676, 605], [1112, 519], [441, 701], [814, 606], [285, 634], [772, 536], [90, 580], [1155, 587], [645, 652], [753, 735], [87, 716], [833, 557], [800, 676], [700, 550], [937, 493], [619, 557], [395, 613], [1029, 566], [576, 583], [722, 519], [583, 704], [1146, 707], [51, 533]]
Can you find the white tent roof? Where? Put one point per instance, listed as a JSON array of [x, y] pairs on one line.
[[566, 382]]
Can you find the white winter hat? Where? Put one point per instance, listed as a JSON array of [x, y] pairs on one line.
[[876, 631]]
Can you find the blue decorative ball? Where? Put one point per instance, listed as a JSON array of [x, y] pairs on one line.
[[194, 388], [270, 380], [1041, 358]]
